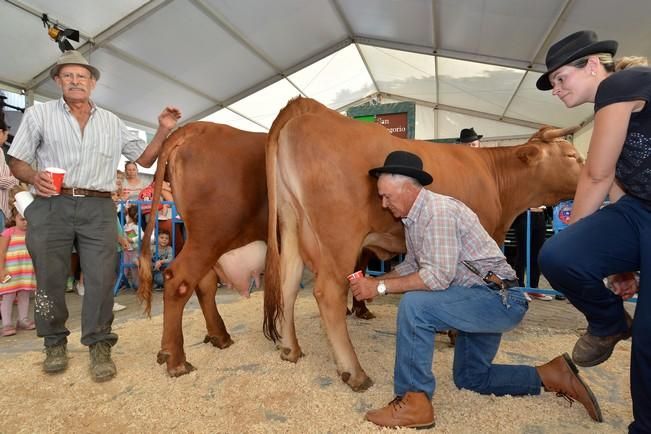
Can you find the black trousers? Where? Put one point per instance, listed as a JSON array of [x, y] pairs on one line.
[[537, 231]]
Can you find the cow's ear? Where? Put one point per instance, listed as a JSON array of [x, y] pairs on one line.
[[529, 154]]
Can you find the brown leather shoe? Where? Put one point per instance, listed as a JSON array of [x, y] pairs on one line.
[[414, 410], [561, 376], [592, 350]]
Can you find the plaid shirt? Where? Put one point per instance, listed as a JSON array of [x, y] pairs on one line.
[[441, 232]]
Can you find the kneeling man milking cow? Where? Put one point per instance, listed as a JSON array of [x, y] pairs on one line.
[[453, 276]]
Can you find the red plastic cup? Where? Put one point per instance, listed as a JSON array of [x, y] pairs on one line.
[[57, 177], [355, 275]]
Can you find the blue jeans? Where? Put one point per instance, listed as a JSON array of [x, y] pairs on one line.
[[614, 239], [158, 278], [480, 317]]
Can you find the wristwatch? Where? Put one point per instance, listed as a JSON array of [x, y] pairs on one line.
[[381, 288]]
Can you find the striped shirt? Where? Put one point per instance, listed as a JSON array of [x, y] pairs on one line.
[[50, 136], [6, 182], [440, 232]]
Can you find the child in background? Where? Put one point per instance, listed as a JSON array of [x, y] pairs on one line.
[[123, 246], [147, 194], [162, 258], [16, 263], [131, 253]]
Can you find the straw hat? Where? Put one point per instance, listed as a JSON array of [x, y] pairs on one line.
[[73, 57]]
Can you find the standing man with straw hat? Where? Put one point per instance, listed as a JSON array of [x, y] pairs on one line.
[[86, 141]]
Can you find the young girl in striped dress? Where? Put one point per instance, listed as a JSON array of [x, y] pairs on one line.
[[16, 274]]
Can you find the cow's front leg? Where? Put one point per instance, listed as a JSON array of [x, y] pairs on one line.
[[331, 297], [206, 291], [171, 351]]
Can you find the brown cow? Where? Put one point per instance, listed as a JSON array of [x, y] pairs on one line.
[[219, 188], [324, 208]]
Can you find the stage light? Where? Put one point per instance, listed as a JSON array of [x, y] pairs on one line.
[[60, 35]]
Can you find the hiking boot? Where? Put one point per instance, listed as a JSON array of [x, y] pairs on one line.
[[592, 350], [560, 375], [56, 359], [102, 367], [414, 410]]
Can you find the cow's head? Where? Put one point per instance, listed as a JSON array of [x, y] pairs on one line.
[[555, 163]]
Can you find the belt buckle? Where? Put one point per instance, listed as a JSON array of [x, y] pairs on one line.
[[74, 193]]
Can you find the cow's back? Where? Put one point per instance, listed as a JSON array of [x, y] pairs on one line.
[[324, 161], [218, 182]]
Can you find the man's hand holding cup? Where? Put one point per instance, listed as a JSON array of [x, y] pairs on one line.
[[48, 182], [363, 288]]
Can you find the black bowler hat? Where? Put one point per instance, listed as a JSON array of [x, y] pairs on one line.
[[403, 163], [570, 48], [468, 135]]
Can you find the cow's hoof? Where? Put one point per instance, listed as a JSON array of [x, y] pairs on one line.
[[360, 385], [289, 355], [364, 314], [162, 357], [219, 342], [182, 369]]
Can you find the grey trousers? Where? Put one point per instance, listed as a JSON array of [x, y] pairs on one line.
[[53, 225]]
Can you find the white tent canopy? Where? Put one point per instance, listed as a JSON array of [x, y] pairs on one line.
[[465, 62]]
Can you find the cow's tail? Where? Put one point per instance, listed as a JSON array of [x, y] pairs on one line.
[[144, 260], [273, 306]]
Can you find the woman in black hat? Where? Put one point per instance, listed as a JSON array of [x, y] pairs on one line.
[[615, 240]]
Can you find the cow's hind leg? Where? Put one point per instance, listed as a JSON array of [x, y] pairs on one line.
[[331, 296], [291, 272], [172, 352], [360, 310], [217, 334]]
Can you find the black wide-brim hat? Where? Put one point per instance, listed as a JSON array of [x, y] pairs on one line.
[[468, 135], [571, 48], [403, 163]]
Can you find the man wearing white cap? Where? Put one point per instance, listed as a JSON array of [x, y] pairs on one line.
[[74, 134]]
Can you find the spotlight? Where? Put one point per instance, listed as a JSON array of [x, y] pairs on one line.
[[60, 35]]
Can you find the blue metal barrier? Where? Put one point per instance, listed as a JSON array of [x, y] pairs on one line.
[[371, 272], [175, 220]]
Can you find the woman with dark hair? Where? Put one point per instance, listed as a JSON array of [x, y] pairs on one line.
[[613, 241]]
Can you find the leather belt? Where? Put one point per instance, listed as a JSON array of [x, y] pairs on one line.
[[507, 284], [82, 192]]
